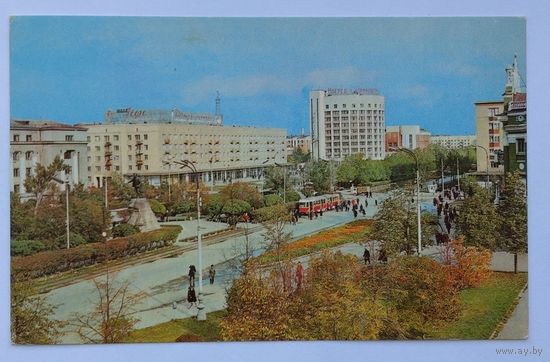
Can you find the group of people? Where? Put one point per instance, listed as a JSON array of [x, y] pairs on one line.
[[382, 257], [448, 212], [191, 294]]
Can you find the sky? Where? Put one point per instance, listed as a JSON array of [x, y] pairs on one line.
[[430, 70]]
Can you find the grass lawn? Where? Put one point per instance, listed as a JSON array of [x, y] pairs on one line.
[[485, 307], [206, 331]]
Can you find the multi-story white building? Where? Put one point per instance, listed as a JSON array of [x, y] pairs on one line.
[[345, 122], [453, 142], [33, 142], [147, 142], [302, 142]]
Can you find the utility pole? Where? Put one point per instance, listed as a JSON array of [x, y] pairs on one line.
[[442, 179], [67, 207], [458, 174]]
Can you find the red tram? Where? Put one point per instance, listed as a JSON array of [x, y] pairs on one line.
[[318, 203]]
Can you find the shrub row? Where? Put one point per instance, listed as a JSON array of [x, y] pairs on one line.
[[50, 262], [264, 214]]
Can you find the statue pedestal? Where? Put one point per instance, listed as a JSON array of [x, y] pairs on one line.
[[142, 216]]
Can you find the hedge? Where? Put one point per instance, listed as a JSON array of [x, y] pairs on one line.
[[55, 261]]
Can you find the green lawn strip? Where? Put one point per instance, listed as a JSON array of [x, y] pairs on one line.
[[207, 331], [485, 307]]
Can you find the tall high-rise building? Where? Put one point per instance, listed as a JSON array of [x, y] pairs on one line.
[[345, 122]]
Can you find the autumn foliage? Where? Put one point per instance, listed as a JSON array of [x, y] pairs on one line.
[[468, 266], [341, 300]]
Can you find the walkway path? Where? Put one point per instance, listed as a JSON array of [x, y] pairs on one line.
[[517, 327]]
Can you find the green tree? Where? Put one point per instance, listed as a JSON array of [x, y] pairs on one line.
[[185, 206], [87, 218], [30, 317], [157, 207], [275, 179], [241, 191], [478, 220], [513, 214], [271, 200], [21, 216], [234, 209], [39, 182], [348, 172], [298, 156], [319, 174], [213, 207], [372, 171], [119, 191], [397, 224]]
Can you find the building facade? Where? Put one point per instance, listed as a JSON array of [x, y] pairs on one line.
[[345, 122], [302, 142], [410, 137], [454, 142], [489, 136], [39, 142], [515, 123], [147, 142]]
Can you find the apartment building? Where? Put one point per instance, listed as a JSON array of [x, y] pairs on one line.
[[345, 122], [454, 142]]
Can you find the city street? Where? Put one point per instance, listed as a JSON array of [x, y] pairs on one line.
[[163, 282]]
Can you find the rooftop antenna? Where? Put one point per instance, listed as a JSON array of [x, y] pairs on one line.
[[218, 105]]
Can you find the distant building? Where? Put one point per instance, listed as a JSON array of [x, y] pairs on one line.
[[515, 123], [345, 122], [302, 142], [147, 142], [33, 142], [453, 142], [410, 137], [489, 135]]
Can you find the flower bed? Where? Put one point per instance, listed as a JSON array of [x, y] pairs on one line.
[[354, 232], [55, 261]]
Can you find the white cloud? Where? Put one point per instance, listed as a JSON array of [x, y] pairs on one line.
[[258, 84]]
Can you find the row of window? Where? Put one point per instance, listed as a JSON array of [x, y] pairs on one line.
[[353, 105], [28, 138]]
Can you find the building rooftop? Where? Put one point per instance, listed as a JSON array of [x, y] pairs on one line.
[[346, 92], [42, 125], [140, 116]]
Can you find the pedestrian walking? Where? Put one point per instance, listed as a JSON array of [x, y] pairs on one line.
[[375, 202], [382, 257], [211, 274], [191, 297], [354, 213], [299, 275], [366, 256], [192, 271]]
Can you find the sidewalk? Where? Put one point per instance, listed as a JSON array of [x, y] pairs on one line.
[[517, 326]]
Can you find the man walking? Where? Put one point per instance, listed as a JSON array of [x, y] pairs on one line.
[[366, 256], [211, 274], [192, 271]]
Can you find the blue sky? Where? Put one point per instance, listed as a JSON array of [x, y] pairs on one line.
[[431, 70]]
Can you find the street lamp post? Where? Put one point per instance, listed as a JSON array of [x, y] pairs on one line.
[[201, 315], [486, 165], [67, 226], [419, 225]]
